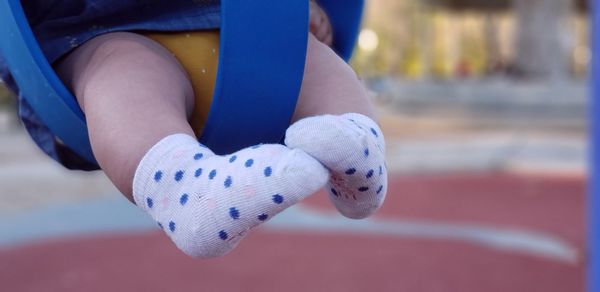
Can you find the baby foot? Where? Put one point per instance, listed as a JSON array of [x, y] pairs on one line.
[[352, 147], [206, 203]]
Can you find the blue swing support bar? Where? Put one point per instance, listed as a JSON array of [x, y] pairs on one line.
[[593, 274], [258, 78]]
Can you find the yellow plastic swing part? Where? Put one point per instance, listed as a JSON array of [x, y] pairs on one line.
[[198, 54]]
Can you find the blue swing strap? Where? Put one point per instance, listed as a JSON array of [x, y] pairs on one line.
[[345, 17], [260, 74], [261, 65], [258, 80]]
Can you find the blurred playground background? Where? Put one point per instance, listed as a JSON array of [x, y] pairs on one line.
[[484, 106]]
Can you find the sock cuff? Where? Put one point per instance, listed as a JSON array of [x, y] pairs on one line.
[[146, 169]]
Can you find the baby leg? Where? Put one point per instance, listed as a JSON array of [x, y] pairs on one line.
[[334, 123], [137, 99]]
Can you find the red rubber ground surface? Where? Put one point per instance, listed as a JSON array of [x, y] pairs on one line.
[[267, 261]]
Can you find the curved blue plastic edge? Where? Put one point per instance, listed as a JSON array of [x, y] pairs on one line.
[[46, 94], [593, 274], [258, 81], [345, 17], [261, 66]]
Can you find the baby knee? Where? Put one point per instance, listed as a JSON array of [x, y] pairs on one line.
[[137, 56]]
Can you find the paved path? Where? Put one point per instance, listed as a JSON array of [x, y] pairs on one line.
[[467, 232]]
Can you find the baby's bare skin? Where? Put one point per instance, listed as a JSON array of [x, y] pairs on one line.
[[125, 82], [320, 26]]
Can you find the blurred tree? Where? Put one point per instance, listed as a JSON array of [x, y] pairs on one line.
[[493, 5], [534, 39], [543, 39], [5, 95], [478, 5], [493, 63]]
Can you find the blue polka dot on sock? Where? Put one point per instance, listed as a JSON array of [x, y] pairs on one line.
[[249, 162], [367, 152], [380, 170], [212, 174], [363, 189], [159, 225], [198, 156], [374, 132], [228, 182], [234, 213], [379, 189], [268, 171], [149, 202], [223, 235], [356, 124], [350, 171], [263, 217], [278, 199], [232, 159], [183, 199], [198, 172], [179, 175], [370, 173], [333, 191], [172, 226], [158, 176]]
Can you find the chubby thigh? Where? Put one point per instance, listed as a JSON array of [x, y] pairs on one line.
[[329, 85], [133, 92]]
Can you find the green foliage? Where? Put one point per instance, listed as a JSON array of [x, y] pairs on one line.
[[6, 97]]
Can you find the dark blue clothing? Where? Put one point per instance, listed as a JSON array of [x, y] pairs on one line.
[[62, 25]]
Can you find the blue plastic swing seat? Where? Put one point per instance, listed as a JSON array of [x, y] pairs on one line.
[[258, 81]]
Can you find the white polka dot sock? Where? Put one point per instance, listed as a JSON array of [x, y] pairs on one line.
[[206, 203], [352, 147]]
